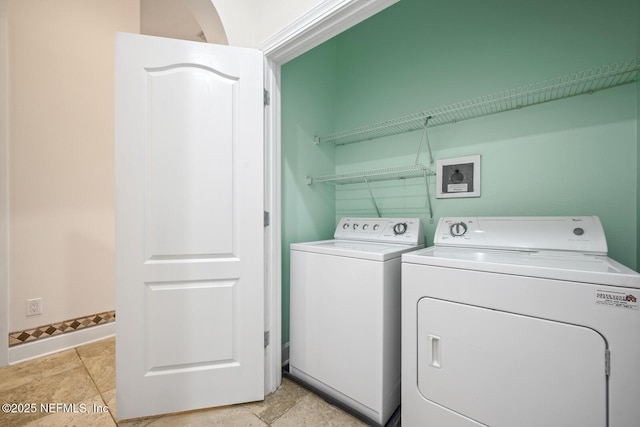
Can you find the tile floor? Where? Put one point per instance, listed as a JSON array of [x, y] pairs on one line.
[[86, 376]]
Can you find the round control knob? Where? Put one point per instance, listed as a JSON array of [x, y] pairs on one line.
[[345, 226], [376, 226], [364, 227], [355, 226], [458, 229], [578, 231], [400, 228]]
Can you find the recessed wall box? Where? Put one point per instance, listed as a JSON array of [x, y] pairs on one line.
[[459, 177]]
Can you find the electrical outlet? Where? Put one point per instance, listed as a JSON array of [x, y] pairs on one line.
[[34, 306]]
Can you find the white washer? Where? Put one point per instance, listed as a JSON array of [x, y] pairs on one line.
[[345, 312], [519, 321]]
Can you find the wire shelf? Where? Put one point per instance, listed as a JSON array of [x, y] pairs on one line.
[[583, 82], [400, 172]]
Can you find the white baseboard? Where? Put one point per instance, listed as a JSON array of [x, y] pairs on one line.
[[35, 349]]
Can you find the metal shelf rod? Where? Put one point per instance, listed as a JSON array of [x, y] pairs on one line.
[[400, 172], [583, 82]]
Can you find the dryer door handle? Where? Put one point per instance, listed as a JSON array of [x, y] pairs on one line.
[[434, 351]]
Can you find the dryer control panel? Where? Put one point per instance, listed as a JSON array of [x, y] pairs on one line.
[[391, 230], [564, 233]]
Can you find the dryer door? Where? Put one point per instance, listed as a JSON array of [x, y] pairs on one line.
[[503, 370]]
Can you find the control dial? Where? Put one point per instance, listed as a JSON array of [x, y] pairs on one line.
[[458, 229], [400, 228]]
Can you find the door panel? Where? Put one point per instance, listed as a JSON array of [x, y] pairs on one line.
[[210, 303], [181, 206], [503, 369], [189, 226]]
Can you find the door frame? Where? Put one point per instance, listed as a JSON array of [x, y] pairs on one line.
[[324, 21]]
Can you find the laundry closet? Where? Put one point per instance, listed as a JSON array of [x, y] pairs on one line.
[[577, 155]]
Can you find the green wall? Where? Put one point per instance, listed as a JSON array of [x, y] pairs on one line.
[[308, 89], [577, 156]]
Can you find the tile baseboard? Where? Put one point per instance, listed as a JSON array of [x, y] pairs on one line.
[[54, 329], [61, 342]]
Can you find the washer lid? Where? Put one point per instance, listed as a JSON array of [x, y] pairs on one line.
[[355, 249], [565, 233], [561, 265]]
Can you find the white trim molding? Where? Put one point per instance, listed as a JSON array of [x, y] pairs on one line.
[[317, 26], [273, 235], [32, 350], [326, 20]]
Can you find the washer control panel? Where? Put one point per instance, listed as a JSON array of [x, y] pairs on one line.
[[578, 233], [393, 230]]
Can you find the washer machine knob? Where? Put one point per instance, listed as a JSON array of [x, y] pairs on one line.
[[458, 229], [355, 226], [345, 226], [364, 227], [400, 228], [376, 226]]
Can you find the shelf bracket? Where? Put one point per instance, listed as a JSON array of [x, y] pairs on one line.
[[425, 136], [426, 184], [373, 199]]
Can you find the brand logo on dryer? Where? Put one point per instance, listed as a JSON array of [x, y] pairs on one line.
[[617, 299]]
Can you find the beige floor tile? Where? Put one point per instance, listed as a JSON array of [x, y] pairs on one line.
[[312, 411], [86, 376], [227, 416], [109, 398], [279, 402], [24, 373], [93, 417], [100, 359], [66, 388]]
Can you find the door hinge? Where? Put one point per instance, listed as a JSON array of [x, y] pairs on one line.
[[607, 362], [267, 339], [266, 98], [267, 219]]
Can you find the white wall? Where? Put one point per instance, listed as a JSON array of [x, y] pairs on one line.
[[61, 155], [248, 23], [4, 188], [274, 15]]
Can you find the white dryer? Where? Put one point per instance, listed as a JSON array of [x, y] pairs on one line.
[[519, 322], [345, 313]]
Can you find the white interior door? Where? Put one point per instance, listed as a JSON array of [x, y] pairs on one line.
[[189, 225]]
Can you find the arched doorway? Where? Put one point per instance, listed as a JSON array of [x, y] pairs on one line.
[[195, 20]]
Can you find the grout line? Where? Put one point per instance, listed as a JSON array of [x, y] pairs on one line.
[[296, 403], [111, 414]]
